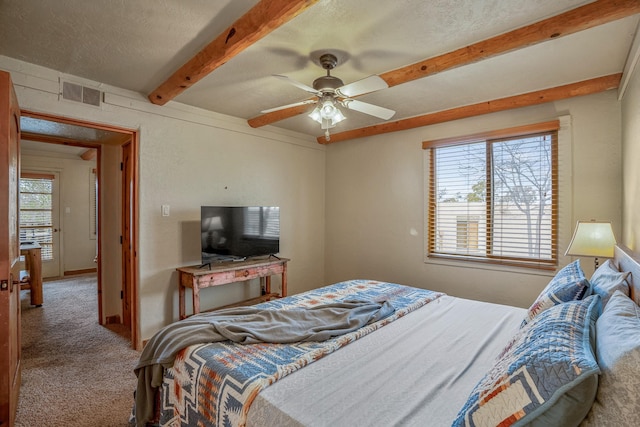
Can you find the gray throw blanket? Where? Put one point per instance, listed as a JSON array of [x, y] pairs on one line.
[[246, 325]]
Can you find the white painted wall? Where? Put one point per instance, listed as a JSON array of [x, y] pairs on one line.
[[188, 158], [375, 197], [78, 248], [630, 165]]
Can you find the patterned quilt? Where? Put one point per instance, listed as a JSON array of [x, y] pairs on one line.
[[215, 384]]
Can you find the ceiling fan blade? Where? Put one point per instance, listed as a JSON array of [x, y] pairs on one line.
[[296, 83], [373, 110], [295, 104], [366, 85], [276, 116]]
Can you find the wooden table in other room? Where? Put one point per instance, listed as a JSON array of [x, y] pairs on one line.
[[31, 277], [224, 273]]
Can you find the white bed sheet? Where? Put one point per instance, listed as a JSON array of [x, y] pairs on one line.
[[416, 371]]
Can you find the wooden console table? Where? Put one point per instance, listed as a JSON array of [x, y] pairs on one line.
[[224, 273], [33, 265]]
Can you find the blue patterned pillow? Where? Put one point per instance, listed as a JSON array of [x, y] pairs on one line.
[[569, 284], [547, 374]]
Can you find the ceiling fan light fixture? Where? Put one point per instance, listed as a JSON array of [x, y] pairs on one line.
[[328, 109], [315, 114], [337, 116], [327, 114]]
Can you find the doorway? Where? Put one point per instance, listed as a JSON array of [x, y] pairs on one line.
[[117, 287]]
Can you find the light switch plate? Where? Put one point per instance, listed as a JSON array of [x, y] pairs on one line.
[[165, 210]]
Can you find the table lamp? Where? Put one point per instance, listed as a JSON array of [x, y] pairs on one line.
[[592, 238]]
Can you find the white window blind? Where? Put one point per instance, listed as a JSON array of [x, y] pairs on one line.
[[36, 217], [252, 221], [494, 199]]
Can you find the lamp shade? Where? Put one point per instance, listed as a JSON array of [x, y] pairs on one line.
[[592, 238], [211, 224]]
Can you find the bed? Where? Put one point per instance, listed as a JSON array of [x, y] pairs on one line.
[[572, 358]]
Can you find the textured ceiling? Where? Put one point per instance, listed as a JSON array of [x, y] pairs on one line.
[[137, 45], [65, 131]]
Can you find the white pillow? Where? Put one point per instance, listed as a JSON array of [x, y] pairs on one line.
[[618, 353], [607, 279]]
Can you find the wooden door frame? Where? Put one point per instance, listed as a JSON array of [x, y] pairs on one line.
[[134, 140], [128, 180]]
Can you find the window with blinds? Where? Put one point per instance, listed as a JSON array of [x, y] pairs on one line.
[[493, 197], [36, 215]]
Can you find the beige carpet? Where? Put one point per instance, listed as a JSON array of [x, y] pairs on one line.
[[74, 371]]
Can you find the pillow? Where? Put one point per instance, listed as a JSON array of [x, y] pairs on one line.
[[569, 284], [546, 375], [618, 354], [607, 279]]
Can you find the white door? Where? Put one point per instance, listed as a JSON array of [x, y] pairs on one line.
[[40, 216]]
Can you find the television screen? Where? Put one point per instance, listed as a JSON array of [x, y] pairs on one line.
[[238, 232]]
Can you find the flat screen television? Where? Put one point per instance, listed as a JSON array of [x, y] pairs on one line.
[[238, 232]]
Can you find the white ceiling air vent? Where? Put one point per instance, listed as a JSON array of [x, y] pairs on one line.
[[78, 93]]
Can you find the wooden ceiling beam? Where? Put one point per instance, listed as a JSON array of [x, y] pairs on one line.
[[581, 18], [90, 154], [260, 20], [585, 87]]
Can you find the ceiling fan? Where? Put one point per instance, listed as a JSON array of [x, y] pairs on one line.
[[330, 92]]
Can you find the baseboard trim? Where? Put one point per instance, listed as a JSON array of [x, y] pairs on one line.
[[76, 272], [110, 320]]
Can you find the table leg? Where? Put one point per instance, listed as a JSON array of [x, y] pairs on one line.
[[181, 297], [283, 292], [196, 297], [35, 276]]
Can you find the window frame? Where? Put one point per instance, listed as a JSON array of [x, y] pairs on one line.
[[488, 138]]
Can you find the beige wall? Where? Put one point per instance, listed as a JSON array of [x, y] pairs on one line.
[[78, 246], [375, 185], [188, 158], [631, 163], [371, 224], [187, 165]]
